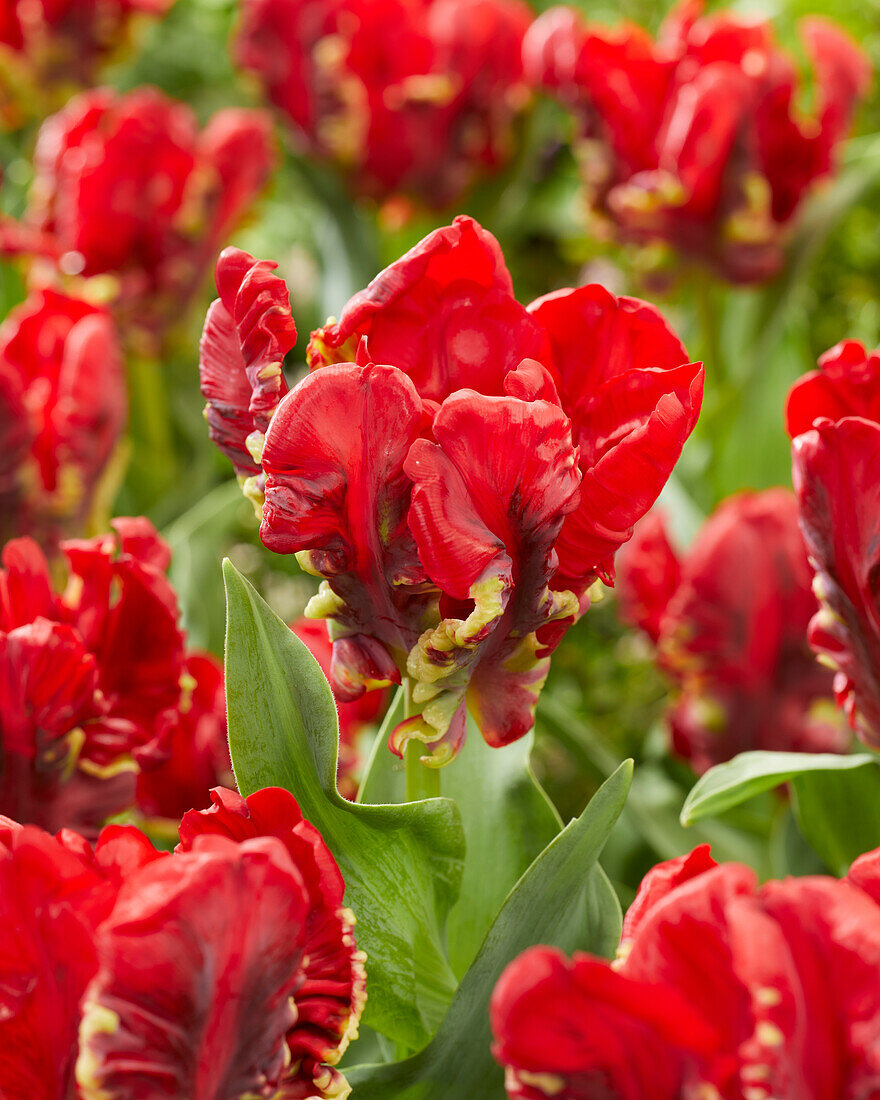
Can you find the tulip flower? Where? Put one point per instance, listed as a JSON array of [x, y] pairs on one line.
[[63, 410], [418, 98], [724, 988], [104, 995], [833, 416], [93, 681], [695, 139], [51, 47], [729, 619], [134, 192], [457, 468]]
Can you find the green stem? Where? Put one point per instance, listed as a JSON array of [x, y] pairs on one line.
[[154, 459], [421, 782]]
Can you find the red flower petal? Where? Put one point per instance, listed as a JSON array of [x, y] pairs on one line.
[[194, 999], [733, 638], [248, 331], [444, 314], [648, 574], [836, 477], [633, 399], [198, 751], [658, 884], [51, 899], [331, 998], [846, 384], [335, 487], [489, 500], [576, 1030]]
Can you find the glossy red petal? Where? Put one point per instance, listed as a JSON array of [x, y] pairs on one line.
[[577, 1030], [336, 489], [25, 584], [847, 383], [658, 884], [836, 477], [194, 999], [623, 378], [444, 313], [489, 498]]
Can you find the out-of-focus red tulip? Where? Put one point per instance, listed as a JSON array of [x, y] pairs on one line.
[[695, 139], [725, 989], [226, 969], [48, 48], [458, 468], [833, 415], [197, 745], [63, 410], [413, 96], [95, 685], [730, 622], [133, 191]]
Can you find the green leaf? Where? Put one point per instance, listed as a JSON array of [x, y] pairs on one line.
[[564, 899], [839, 813], [508, 821], [750, 773], [402, 864]]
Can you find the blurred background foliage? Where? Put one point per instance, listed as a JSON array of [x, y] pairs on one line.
[[604, 700]]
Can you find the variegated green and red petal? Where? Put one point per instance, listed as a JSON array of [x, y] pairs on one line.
[[247, 333], [444, 313], [198, 963], [337, 494], [489, 499], [836, 475]]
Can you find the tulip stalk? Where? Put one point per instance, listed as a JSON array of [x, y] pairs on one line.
[[421, 781]]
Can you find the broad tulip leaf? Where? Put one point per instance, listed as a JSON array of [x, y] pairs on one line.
[[727, 785], [838, 813], [402, 864], [508, 821], [563, 899]]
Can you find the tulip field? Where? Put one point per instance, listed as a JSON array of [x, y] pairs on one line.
[[439, 550]]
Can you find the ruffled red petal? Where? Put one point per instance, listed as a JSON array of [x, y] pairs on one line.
[[336, 488], [836, 478], [489, 499]]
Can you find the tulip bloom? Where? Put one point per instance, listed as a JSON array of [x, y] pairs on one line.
[[723, 989], [105, 997], [403, 97], [695, 139], [90, 680], [457, 468], [49, 47], [62, 411], [133, 191], [833, 415], [730, 619]]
